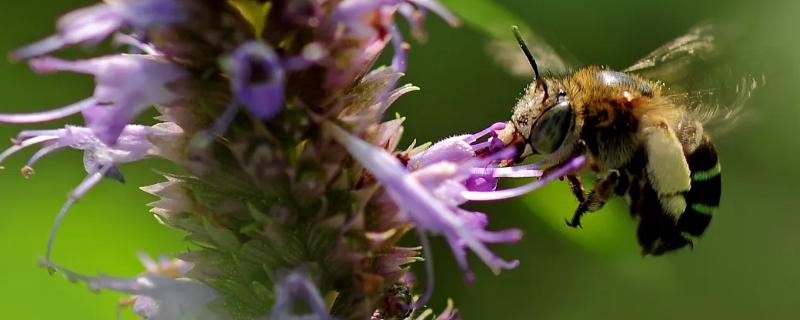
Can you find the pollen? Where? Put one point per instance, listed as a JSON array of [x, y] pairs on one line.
[[27, 171]]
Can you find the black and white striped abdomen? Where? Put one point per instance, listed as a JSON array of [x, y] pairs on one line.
[[706, 186], [660, 228]]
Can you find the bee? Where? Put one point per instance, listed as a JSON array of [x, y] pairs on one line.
[[643, 139]]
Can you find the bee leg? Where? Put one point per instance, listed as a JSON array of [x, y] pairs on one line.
[[576, 185], [603, 190]]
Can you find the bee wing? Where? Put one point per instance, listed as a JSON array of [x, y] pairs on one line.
[[495, 21], [721, 103], [506, 52], [711, 86], [671, 61]]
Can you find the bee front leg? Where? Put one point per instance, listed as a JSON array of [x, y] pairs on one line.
[[602, 190]]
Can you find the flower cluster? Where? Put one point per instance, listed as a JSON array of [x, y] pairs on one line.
[[293, 187]]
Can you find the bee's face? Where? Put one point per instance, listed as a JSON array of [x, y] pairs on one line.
[[544, 117]]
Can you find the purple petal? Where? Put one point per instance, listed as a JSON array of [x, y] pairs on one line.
[[143, 14], [100, 159], [573, 165], [157, 297], [126, 85], [453, 149], [293, 287], [351, 10], [399, 58], [91, 25], [481, 183], [422, 207], [88, 25], [48, 115], [258, 79]]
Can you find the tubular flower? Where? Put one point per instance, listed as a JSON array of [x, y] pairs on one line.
[[296, 288], [126, 85], [258, 79], [275, 113], [91, 25], [370, 25], [99, 159], [431, 194], [157, 297]]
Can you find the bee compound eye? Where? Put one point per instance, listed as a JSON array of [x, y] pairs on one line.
[[552, 128]]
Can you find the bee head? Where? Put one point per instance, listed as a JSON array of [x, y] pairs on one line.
[[544, 117]]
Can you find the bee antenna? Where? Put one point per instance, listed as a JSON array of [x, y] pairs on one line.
[[525, 49]]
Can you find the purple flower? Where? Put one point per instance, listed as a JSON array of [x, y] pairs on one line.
[[293, 288], [431, 194], [369, 24], [457, 148], [99, 159], [165, 266], [158, 297], [258, 78], [126, 85], [91, 25]]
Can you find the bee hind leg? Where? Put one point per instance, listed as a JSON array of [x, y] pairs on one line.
[[603, 189]]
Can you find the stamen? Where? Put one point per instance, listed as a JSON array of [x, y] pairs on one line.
[[30, 134], [494, 127], [522, 171], [508, 172], [43, 152], [87, 184], [573, 165], [400, 47], [48, 115], [24, 144], [87, 25]]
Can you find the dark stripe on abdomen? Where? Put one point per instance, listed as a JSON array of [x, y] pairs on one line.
[[656, 232], [703, 197]]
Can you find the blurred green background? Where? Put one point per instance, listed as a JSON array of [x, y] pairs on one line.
[[747, 266]]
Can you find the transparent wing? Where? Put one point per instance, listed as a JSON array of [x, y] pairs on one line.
[[701, 72], [722, 103], [508, 54], [495, 21], [675, 59]]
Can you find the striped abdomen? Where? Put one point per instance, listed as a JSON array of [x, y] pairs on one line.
[[703, 198], [659, 231]]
